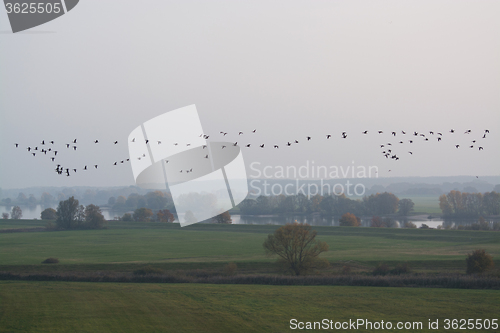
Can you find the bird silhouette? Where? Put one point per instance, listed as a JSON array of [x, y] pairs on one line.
[[308, 138], [431, 132], [481, 148], [288, 144], [254, 131], [115, 163], [74, 147], [17, 145], [85, 168], [484, 136], [43, 142], [410, 152], [439, 139], [486, 131], [411, 141], [328, 136], [206, 156], [394, 133], [29, 148], [365, 132], [52, 142], [240, 133], [235, 144], [467, 132], [74, 141], [147, 141], [116, 142], [457, 146], [95, 166], [262, 146], [133, 140], [296, 141], [380, 132], [97, 141], [403, 132], [452, 131], [223, 147], [52, 158], [276, 146], [67, 145], [248, 146]]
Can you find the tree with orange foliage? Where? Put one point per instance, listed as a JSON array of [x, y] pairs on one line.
[[349, 220]]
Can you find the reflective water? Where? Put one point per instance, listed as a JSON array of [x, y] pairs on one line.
[[315, 219]]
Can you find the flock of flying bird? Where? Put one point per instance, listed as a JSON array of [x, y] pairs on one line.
[[387, 148]]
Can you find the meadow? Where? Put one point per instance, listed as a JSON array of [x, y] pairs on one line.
[[115, 307], [59, 306]]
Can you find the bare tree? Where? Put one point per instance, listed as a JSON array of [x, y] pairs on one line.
[[297, 248]]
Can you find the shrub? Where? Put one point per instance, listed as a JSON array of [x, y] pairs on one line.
[[381, 269], [410, 225], [230, 268], [403, 268], [377, 222], [424, 226], [148, 270], [478, 261], [346, 269], [50, 261], [5, 216], [349, 220], [127, 217]]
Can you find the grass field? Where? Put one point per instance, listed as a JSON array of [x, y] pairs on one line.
[[36, 306], [168, 243], [114, 307]]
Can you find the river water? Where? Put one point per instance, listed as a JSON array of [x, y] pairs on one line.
[[314, 220]]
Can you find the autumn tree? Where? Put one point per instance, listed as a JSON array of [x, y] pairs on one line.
[[377, 222], [93, 217], [297, 248], [143, 214], [67, 211], [349, 220], [224, 218], [49, 214], [165, 215], [16, 213], [405, 206]]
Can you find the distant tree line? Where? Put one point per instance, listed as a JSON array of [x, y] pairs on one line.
[[71, 215], [463, 204], [332, 205]]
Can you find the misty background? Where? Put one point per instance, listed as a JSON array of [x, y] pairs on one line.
[[289, 69]]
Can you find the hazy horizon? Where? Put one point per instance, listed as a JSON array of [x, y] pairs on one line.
[[288, 69]]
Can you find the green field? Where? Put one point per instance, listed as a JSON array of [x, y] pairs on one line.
[[35, 306], [114, 307], [168, 243]]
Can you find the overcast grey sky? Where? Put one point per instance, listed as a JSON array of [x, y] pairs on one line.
[[287, 68]]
